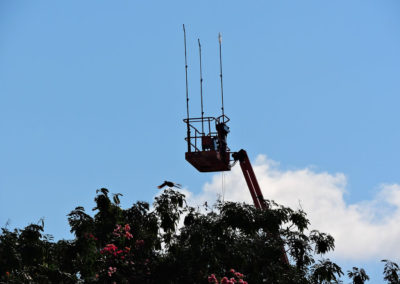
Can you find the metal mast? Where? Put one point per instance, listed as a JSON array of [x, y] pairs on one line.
[[201, 91], [187, 91], [220, 75]]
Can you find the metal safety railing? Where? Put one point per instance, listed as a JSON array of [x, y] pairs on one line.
[[208, 124], [194, 135]]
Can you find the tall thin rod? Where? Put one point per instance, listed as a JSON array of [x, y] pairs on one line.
[[187, 91], [220, 75], [201, 91]]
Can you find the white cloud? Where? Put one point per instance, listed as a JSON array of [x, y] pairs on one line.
[[363, 230]]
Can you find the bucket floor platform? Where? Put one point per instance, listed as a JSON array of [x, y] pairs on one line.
[[209, 161]]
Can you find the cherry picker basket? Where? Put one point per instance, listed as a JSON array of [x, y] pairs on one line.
[[207, 149]]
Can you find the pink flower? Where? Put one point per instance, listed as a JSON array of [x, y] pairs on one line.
[[225, 280], [117, 230], [232, 270], [127, 228], [212, 279], [239, 275], [111, 270], [110, 248]]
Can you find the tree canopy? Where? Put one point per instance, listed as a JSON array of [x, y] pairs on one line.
[[173, 242]]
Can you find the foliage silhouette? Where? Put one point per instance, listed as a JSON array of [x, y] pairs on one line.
[[175, 243]]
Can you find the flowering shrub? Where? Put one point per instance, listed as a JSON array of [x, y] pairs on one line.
[[119, 256], [236, 277]]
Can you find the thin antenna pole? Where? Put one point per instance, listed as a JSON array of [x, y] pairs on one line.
[[201, 91], [220, 75], [187, 91]]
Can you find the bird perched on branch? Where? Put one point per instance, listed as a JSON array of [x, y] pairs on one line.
[[169, 184]]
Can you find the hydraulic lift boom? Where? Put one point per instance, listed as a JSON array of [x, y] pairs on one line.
[[252, 183], [250, 178]]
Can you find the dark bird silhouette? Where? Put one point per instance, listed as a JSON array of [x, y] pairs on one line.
[[169, 184]]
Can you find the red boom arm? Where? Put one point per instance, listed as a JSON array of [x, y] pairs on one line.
[[252, 183], [251, 179]]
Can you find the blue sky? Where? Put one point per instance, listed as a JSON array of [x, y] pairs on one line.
[[92, 94]]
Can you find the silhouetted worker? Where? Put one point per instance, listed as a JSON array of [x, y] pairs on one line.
[[169, 184], [222, 130]]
